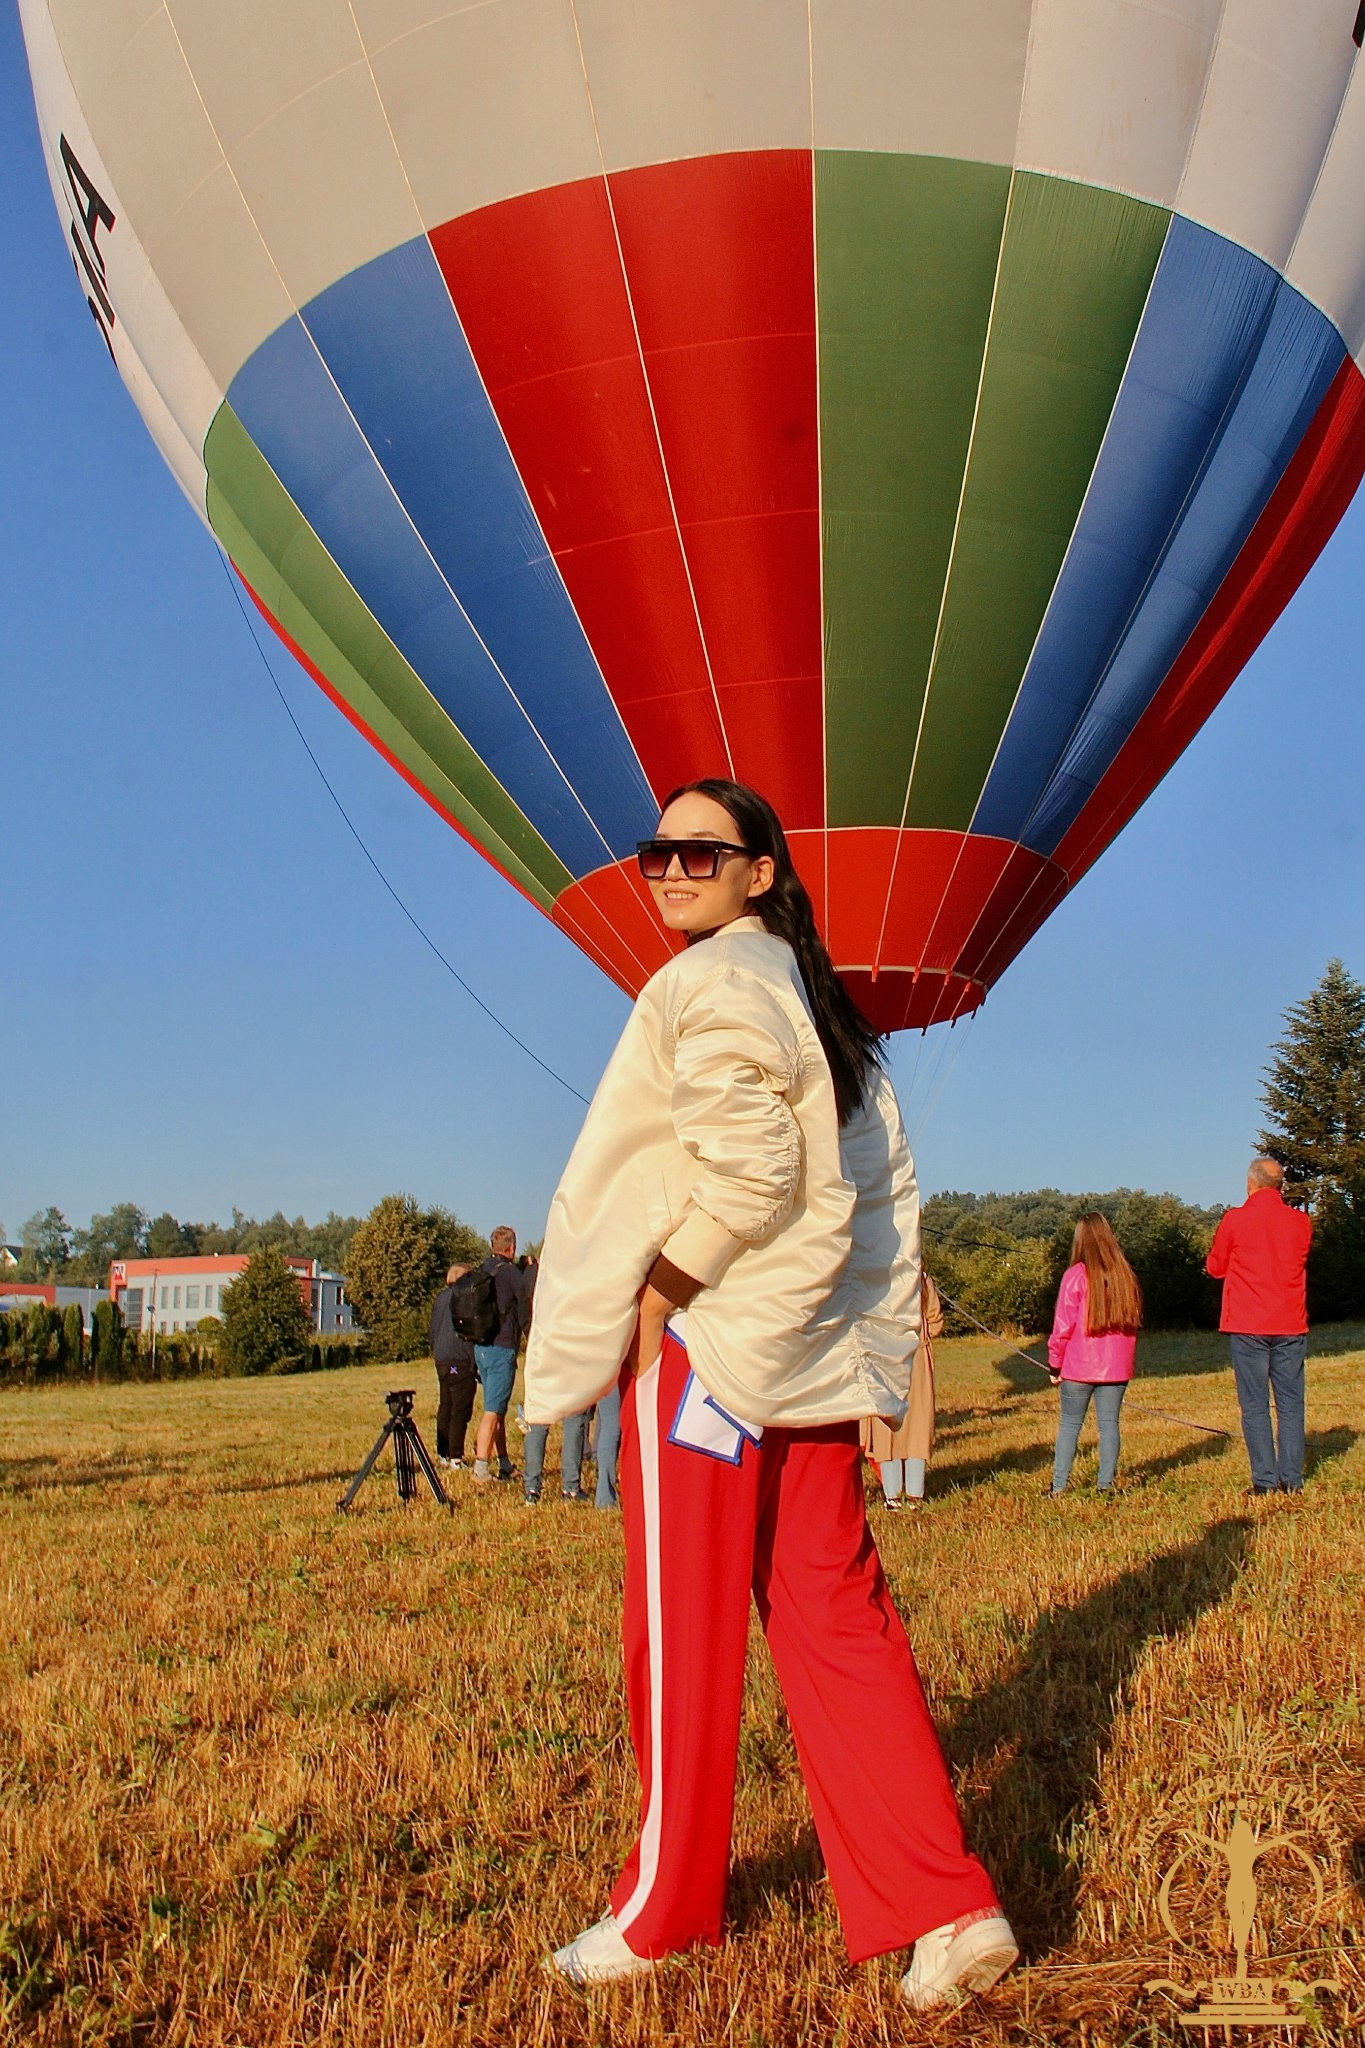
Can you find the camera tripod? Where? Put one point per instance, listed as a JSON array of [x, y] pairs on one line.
[[409, 1455]]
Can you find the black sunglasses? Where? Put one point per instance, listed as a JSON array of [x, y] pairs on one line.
[[699, 859]]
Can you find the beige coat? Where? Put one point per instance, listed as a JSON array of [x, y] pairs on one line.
[[915, 1437], [713, 1137]]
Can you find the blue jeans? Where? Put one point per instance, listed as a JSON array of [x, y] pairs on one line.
[[571, 1462], [497, 1370], [1262, 1366], [606, 1447], [1076, 1396]]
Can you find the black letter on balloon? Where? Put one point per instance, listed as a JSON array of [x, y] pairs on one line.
[[91, 204]]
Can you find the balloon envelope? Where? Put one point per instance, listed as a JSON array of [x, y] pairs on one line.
[[918, 411]]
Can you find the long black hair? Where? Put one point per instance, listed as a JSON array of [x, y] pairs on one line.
[[852, 1047]]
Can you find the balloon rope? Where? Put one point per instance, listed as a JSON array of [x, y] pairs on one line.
[[420, 930], [1182, 1420], [957, 1042]]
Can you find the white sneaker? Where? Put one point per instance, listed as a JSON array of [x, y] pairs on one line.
[[947, 1964], [598, 1955]]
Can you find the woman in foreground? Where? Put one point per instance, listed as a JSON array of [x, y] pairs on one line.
[[1090, 1352], [739, 1221]]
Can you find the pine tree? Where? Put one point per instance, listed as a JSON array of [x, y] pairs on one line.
[[1314, 1093], [265, 1324]]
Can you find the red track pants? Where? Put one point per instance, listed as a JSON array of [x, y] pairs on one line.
[[787, 1521]]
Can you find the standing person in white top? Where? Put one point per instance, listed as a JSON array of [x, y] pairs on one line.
[[743, 1160]]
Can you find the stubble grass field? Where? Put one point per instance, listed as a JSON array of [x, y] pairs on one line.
[[271, 1776]]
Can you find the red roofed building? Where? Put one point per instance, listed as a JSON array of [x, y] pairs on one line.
[[175, 1294]]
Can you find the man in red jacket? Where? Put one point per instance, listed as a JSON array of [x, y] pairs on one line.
[[1260, 1253]]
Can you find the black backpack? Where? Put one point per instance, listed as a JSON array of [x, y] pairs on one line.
[[474, 1307]]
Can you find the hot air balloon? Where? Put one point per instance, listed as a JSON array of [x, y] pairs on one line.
[[917, 408]]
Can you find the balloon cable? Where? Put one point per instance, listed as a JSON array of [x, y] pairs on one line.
[[1183, 1421], [420, 930]]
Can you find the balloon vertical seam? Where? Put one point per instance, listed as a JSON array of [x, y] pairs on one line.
[[493, 411], [649, 390], [948, 568]]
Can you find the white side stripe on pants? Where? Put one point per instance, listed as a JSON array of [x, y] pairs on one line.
[[647, 1430]]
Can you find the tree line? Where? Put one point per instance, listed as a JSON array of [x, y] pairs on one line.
[[51, 1249], [1000, 1258]]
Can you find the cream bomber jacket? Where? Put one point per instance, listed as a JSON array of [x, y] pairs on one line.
[[713, 1137]]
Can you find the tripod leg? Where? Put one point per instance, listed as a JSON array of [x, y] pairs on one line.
[[404, 1471], [363, 1474], [423, 1457]]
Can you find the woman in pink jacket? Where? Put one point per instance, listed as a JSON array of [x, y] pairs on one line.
[[1090, 1351]]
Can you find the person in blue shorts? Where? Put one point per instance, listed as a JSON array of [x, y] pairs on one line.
[[497, 1361]]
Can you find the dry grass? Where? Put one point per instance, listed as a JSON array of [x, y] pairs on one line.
[[268, 1775]]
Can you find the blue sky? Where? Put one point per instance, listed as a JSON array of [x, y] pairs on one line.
[[207, 998]]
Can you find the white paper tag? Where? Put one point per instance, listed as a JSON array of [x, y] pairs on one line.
[[701, 1424]]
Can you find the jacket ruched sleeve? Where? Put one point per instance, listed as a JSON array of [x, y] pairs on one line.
[[737, 1055]]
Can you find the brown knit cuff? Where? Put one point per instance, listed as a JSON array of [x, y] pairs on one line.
[[670, 1281]]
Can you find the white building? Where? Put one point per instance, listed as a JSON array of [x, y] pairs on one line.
[[176, 1294]]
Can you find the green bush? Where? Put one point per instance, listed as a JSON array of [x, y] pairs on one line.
[[29, 1350], [179, 1356], [400, 1337], [107, 1339], [327, 1354], [43, 1340], [265, 1325], [73, 1341], [1008, 1287]]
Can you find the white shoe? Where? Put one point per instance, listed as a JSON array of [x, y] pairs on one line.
[[598, 1955], [947, 1964]]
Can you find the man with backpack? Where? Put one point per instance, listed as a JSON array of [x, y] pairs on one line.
[[504, 1298], [456, 1373]]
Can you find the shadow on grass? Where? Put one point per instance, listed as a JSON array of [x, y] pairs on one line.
[[1196, 1453], [965, 1421], [53, 1475], [962, 1473], [1018, 1376], [341, 1476], [1039, 1737], [787, 1875], [1321, 1446]]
